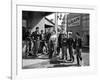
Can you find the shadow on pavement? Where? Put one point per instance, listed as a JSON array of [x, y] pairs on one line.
[[63, 65]]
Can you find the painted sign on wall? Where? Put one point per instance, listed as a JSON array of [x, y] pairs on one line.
[[74, 21]]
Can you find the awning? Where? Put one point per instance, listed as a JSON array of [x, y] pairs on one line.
[[48, 26]]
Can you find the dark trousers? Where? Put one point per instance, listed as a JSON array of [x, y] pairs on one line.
[[42, 45], [27, 48], [78, 56], [71, 54], [51, 53], [29, 45], [58, 49], [36, 46], [64, 52], [50, 49]]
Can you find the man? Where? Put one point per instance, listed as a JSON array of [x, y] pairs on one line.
[[42, 43], [23, 33], [24, 41], [36, 38], [52, 44], [42, 35], [70, 47], [78, 48], [30, 45], [28, 41], [64, 46], [59, 43], [47, 37]]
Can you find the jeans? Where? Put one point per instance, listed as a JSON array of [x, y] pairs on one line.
[[64, 52]]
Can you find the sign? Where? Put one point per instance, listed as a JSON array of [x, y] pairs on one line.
[[74, 21]]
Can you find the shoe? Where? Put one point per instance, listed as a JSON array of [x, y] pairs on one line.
[[69, 60], [81, 59], [78, 65], [72, 60]]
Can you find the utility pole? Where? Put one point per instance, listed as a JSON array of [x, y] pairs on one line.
[[65, 23], [56, 25]]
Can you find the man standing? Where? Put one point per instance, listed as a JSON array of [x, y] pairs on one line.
[[64, 46], [52, 44], [27, 38], [78, 48], [36, 38], [47, 37], [42, 42], [70, 46], [59, 43]]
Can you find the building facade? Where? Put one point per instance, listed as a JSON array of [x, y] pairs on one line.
[[77, 22], [32, 19]]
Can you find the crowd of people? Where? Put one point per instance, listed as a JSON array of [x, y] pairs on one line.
[[52, 44]]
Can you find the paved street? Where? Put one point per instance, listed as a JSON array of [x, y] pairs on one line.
[[43, 62]]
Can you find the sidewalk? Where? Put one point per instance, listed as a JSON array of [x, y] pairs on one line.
[[43, 62]]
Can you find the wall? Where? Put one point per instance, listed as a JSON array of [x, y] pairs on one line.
[[82, 27]]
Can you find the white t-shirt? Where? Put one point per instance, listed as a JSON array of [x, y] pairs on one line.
[[53, 38]]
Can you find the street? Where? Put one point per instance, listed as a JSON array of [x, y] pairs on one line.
[[43, 62]]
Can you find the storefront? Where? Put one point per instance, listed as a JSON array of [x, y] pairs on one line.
[[79, 23]]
